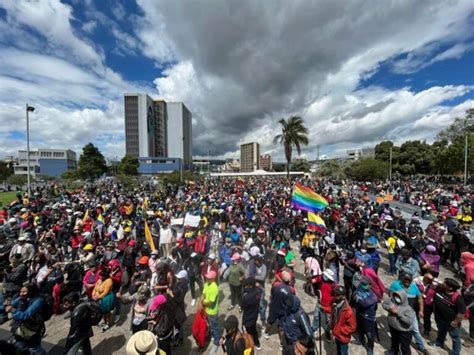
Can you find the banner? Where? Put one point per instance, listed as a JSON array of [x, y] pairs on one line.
[[191, 220], [176, 221]]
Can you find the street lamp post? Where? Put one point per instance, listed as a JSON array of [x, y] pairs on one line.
[[390, 172], [467, 124], [28, 109]]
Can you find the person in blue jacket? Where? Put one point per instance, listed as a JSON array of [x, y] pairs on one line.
[[28, 325]]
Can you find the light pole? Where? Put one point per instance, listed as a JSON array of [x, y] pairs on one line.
[[28, 109], [467, 125], [390, 172]]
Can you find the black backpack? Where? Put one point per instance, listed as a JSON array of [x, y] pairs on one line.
[[47, 307], [166, 320], [96, 312]]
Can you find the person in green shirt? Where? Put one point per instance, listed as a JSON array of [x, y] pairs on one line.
[[210, 300], [236, 276], [290, 258]]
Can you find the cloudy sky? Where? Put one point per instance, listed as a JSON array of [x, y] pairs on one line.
[[358, 71]]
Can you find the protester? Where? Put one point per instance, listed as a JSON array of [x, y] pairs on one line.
[[281, 300], [103, 294], [28, 323], [343, 323], [236, 273], [103, 226], [365, 306], [400, 321], [210, 300], [80, 330], [250, 307], [449, 310]]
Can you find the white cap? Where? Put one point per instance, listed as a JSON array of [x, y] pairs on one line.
[[212, 256], [12, 220], [183, 274]]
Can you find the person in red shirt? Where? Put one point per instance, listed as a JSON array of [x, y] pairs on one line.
[[75, 240], [323, 309], [343, 323]]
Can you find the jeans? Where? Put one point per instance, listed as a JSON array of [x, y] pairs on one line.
[[392, 258], [400, 341], [252, 330], [213, 321], [117, 306], [366, 332], [427, 312], [236, 295], [263, 306], [342, 349], [320, 322], [83, 344], [417, 335], [443, 329], [192, 285]]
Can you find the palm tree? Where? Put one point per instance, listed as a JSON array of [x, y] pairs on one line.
[[293, 134]]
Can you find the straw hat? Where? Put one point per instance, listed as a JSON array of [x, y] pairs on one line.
[[143, 342]]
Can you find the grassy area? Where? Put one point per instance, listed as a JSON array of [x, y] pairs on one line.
[[6, 198]]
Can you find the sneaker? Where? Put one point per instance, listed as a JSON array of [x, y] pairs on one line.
[[230, 308], [105, 328], [117, 318], [281, 347], [258, 347], [193, 302], [214, 349], [434, 344], [240, 309], [101, 324], [266, 335]]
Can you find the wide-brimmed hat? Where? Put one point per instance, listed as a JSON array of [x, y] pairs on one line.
[[329, 274], [143, 342]]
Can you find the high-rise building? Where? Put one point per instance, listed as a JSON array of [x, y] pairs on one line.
[[180, 135], [266, 162], [145, 126], [47, 162], [249, 157]]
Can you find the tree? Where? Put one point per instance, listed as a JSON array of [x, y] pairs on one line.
[[6, 169], [129, 165], [91, 163], [368, 169], [69, 175], [418, 155], [279, 167], [19, 180], [293, 134], [449, 158], [332, 168], [300, 165]]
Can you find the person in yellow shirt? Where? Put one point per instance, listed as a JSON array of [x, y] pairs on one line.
[[392, 248], [103, 294], [210, 300]]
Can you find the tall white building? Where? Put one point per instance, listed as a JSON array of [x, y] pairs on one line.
[[145, 126], [249, 157], [180, 135]]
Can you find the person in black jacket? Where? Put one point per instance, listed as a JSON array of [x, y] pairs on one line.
[[250, 308], [81, 326]]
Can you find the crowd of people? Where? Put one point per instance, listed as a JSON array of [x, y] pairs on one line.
[[88, 252]]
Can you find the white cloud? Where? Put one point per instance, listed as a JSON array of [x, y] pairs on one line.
[[240, 68]]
